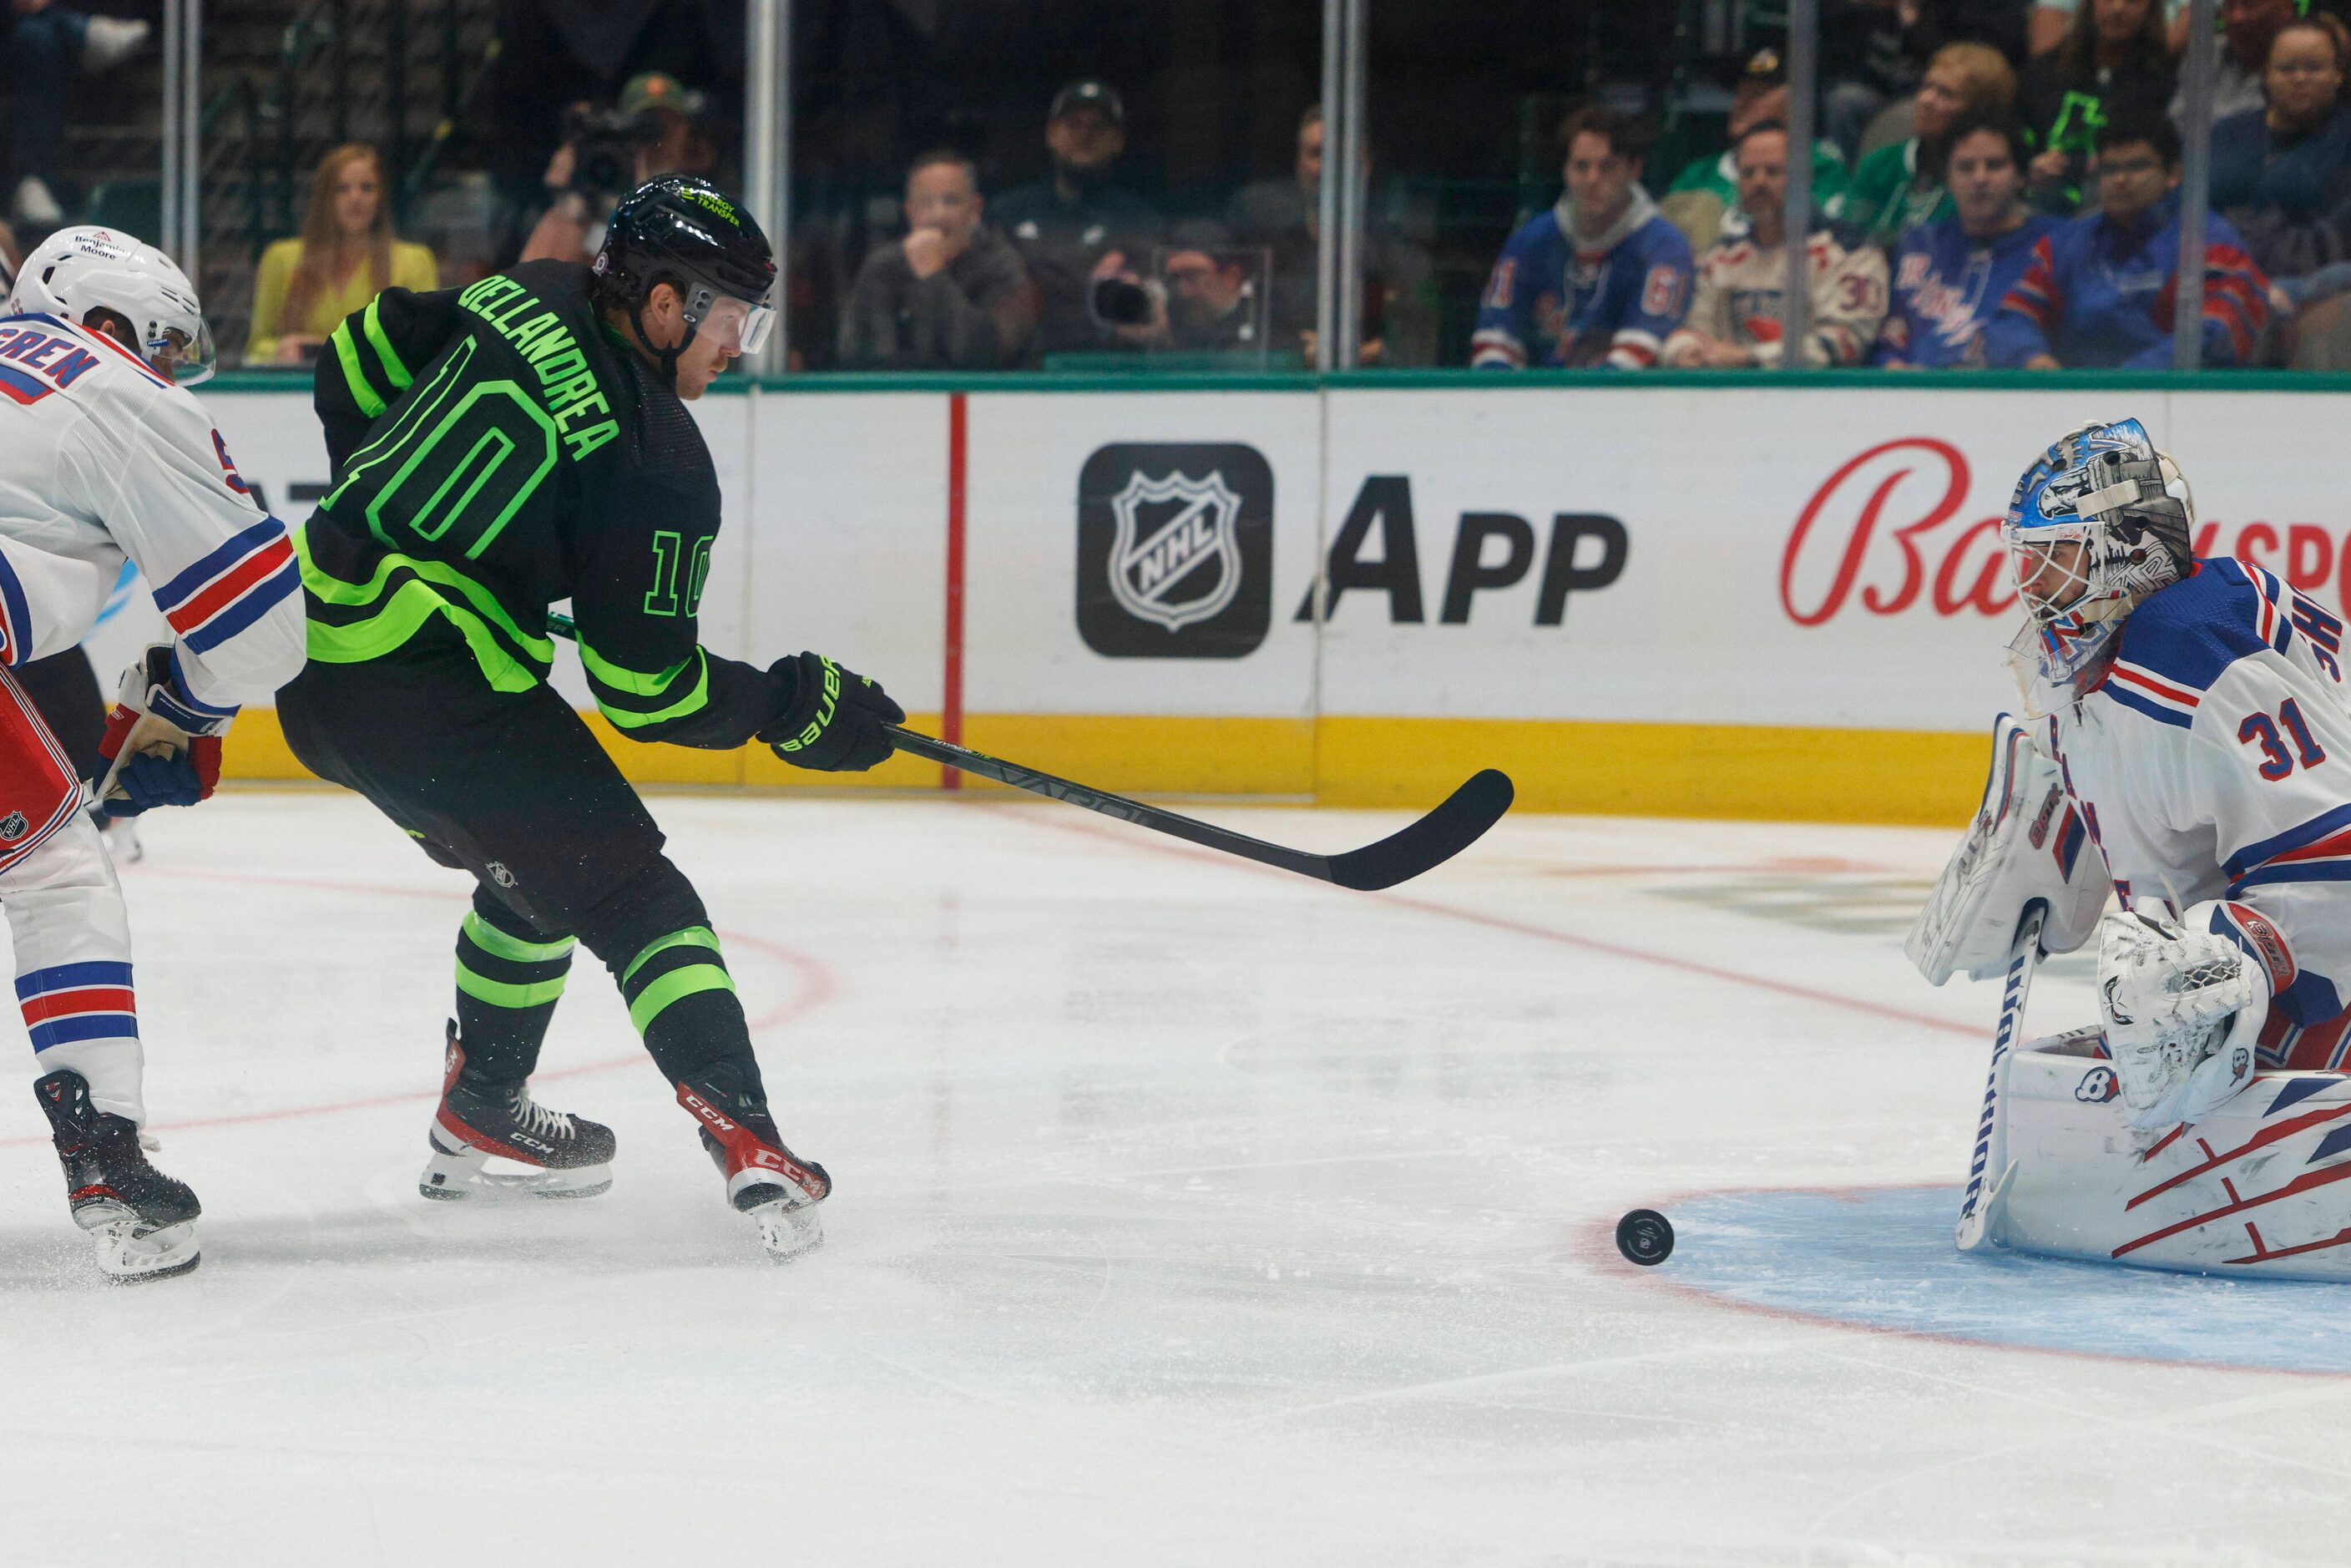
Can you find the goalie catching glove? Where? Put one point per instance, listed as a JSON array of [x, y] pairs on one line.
[[2183, 1009], [832, 718], [162, 747]]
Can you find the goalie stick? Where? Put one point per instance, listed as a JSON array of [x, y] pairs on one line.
[[1460, 821], [1989, 1171]]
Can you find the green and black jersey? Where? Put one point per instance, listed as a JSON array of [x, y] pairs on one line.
[[495, 453]]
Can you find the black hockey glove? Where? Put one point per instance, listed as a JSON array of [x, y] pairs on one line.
[[832, 718]]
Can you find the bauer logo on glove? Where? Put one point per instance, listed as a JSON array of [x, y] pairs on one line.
[[162, 746], [831, 720]]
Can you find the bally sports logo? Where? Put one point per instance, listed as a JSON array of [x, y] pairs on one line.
[[1831, 547], [1886, 533], [1174, 551]]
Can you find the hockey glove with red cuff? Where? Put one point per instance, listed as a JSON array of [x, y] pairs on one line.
[[162, 746], [832, 718]]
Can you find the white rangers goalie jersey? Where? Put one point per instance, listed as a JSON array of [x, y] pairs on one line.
[[101, 458], [2212, 760]]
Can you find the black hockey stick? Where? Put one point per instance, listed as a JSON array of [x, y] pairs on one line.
[[1437, 838], [1434, 839]]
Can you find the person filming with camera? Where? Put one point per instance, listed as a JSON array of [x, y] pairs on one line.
[[658, 127]]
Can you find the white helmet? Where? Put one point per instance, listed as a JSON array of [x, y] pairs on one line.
[[78, 270]]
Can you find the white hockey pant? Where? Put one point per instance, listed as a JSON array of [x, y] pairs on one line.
[[72, 940]]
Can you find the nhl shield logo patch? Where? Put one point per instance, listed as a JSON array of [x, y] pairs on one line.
[[1174, 551], [14, 827], [1176, 557]]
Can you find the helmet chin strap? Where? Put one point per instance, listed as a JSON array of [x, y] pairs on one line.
[[667, 359]]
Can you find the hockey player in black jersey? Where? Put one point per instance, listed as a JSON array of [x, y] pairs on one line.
[[498, 449]]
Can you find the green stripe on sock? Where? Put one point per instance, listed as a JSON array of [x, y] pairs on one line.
[[676, 985], [348, 352], [373, 323], [498, 994], [692, 937], [498, 943]]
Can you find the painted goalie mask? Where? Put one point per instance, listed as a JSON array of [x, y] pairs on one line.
[[2102, 521]]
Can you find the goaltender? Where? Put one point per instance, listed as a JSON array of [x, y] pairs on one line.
[[498, 449]]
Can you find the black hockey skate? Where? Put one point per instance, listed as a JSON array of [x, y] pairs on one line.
[[144, 1222], [776, 1187], [570, 1156]]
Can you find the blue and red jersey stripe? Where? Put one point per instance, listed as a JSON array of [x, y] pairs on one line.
[[91, 1000], [231, 587]]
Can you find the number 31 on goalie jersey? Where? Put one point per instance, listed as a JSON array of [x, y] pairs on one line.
[[2259, 729]]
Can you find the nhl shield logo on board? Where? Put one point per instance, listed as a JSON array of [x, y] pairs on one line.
[[1174, 551]]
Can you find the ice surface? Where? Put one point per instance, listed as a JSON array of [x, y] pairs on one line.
[[1188, 1213]]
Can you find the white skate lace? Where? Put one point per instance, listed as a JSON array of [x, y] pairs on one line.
[[537, 1118]]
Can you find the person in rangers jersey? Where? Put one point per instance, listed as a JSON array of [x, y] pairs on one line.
[[103, 457], [1601, 278], [1734, 319], [2196, 712], [1950, 275], [2100, 290]]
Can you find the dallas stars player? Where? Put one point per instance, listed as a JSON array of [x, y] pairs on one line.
[[498, 449]]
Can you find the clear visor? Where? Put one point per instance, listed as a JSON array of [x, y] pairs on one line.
[[179, 359], [737, 325], [2052, 571]]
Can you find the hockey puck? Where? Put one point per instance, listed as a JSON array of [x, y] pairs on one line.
[[1645, 1237]]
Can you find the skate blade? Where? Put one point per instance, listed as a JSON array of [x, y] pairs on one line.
[[128, 1256], [460, 1177], [787, 1233]]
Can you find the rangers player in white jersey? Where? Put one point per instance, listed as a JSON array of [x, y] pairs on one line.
[[103, 457], [2197, 711]]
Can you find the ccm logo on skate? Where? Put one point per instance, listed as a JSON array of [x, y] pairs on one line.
[[2097, 1086], [1174, 551], [703, 1109], [1583, 553]]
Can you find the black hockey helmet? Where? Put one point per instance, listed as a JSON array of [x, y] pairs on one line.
[[682, 230]]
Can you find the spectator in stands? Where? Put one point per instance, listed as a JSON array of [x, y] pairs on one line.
[[43, 39], [667, 132], [1077, 225], [1871, 51], [2100, 290], [2283, 173], [952, 295], [2247, 28], [1902, 184], [11, 258], [1950, 275], [345, 257], [2114, 64], [2045, 28], [1285, 216], [1703, 200], [1602, 277], [1734, 317]]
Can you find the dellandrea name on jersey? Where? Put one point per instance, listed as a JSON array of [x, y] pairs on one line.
[[568, 387]]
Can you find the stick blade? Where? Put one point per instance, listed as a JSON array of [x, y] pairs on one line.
[[1437, 838]]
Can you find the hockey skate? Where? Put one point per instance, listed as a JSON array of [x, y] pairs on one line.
[[143, 1222], [570, 1156], [776, 1187]]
